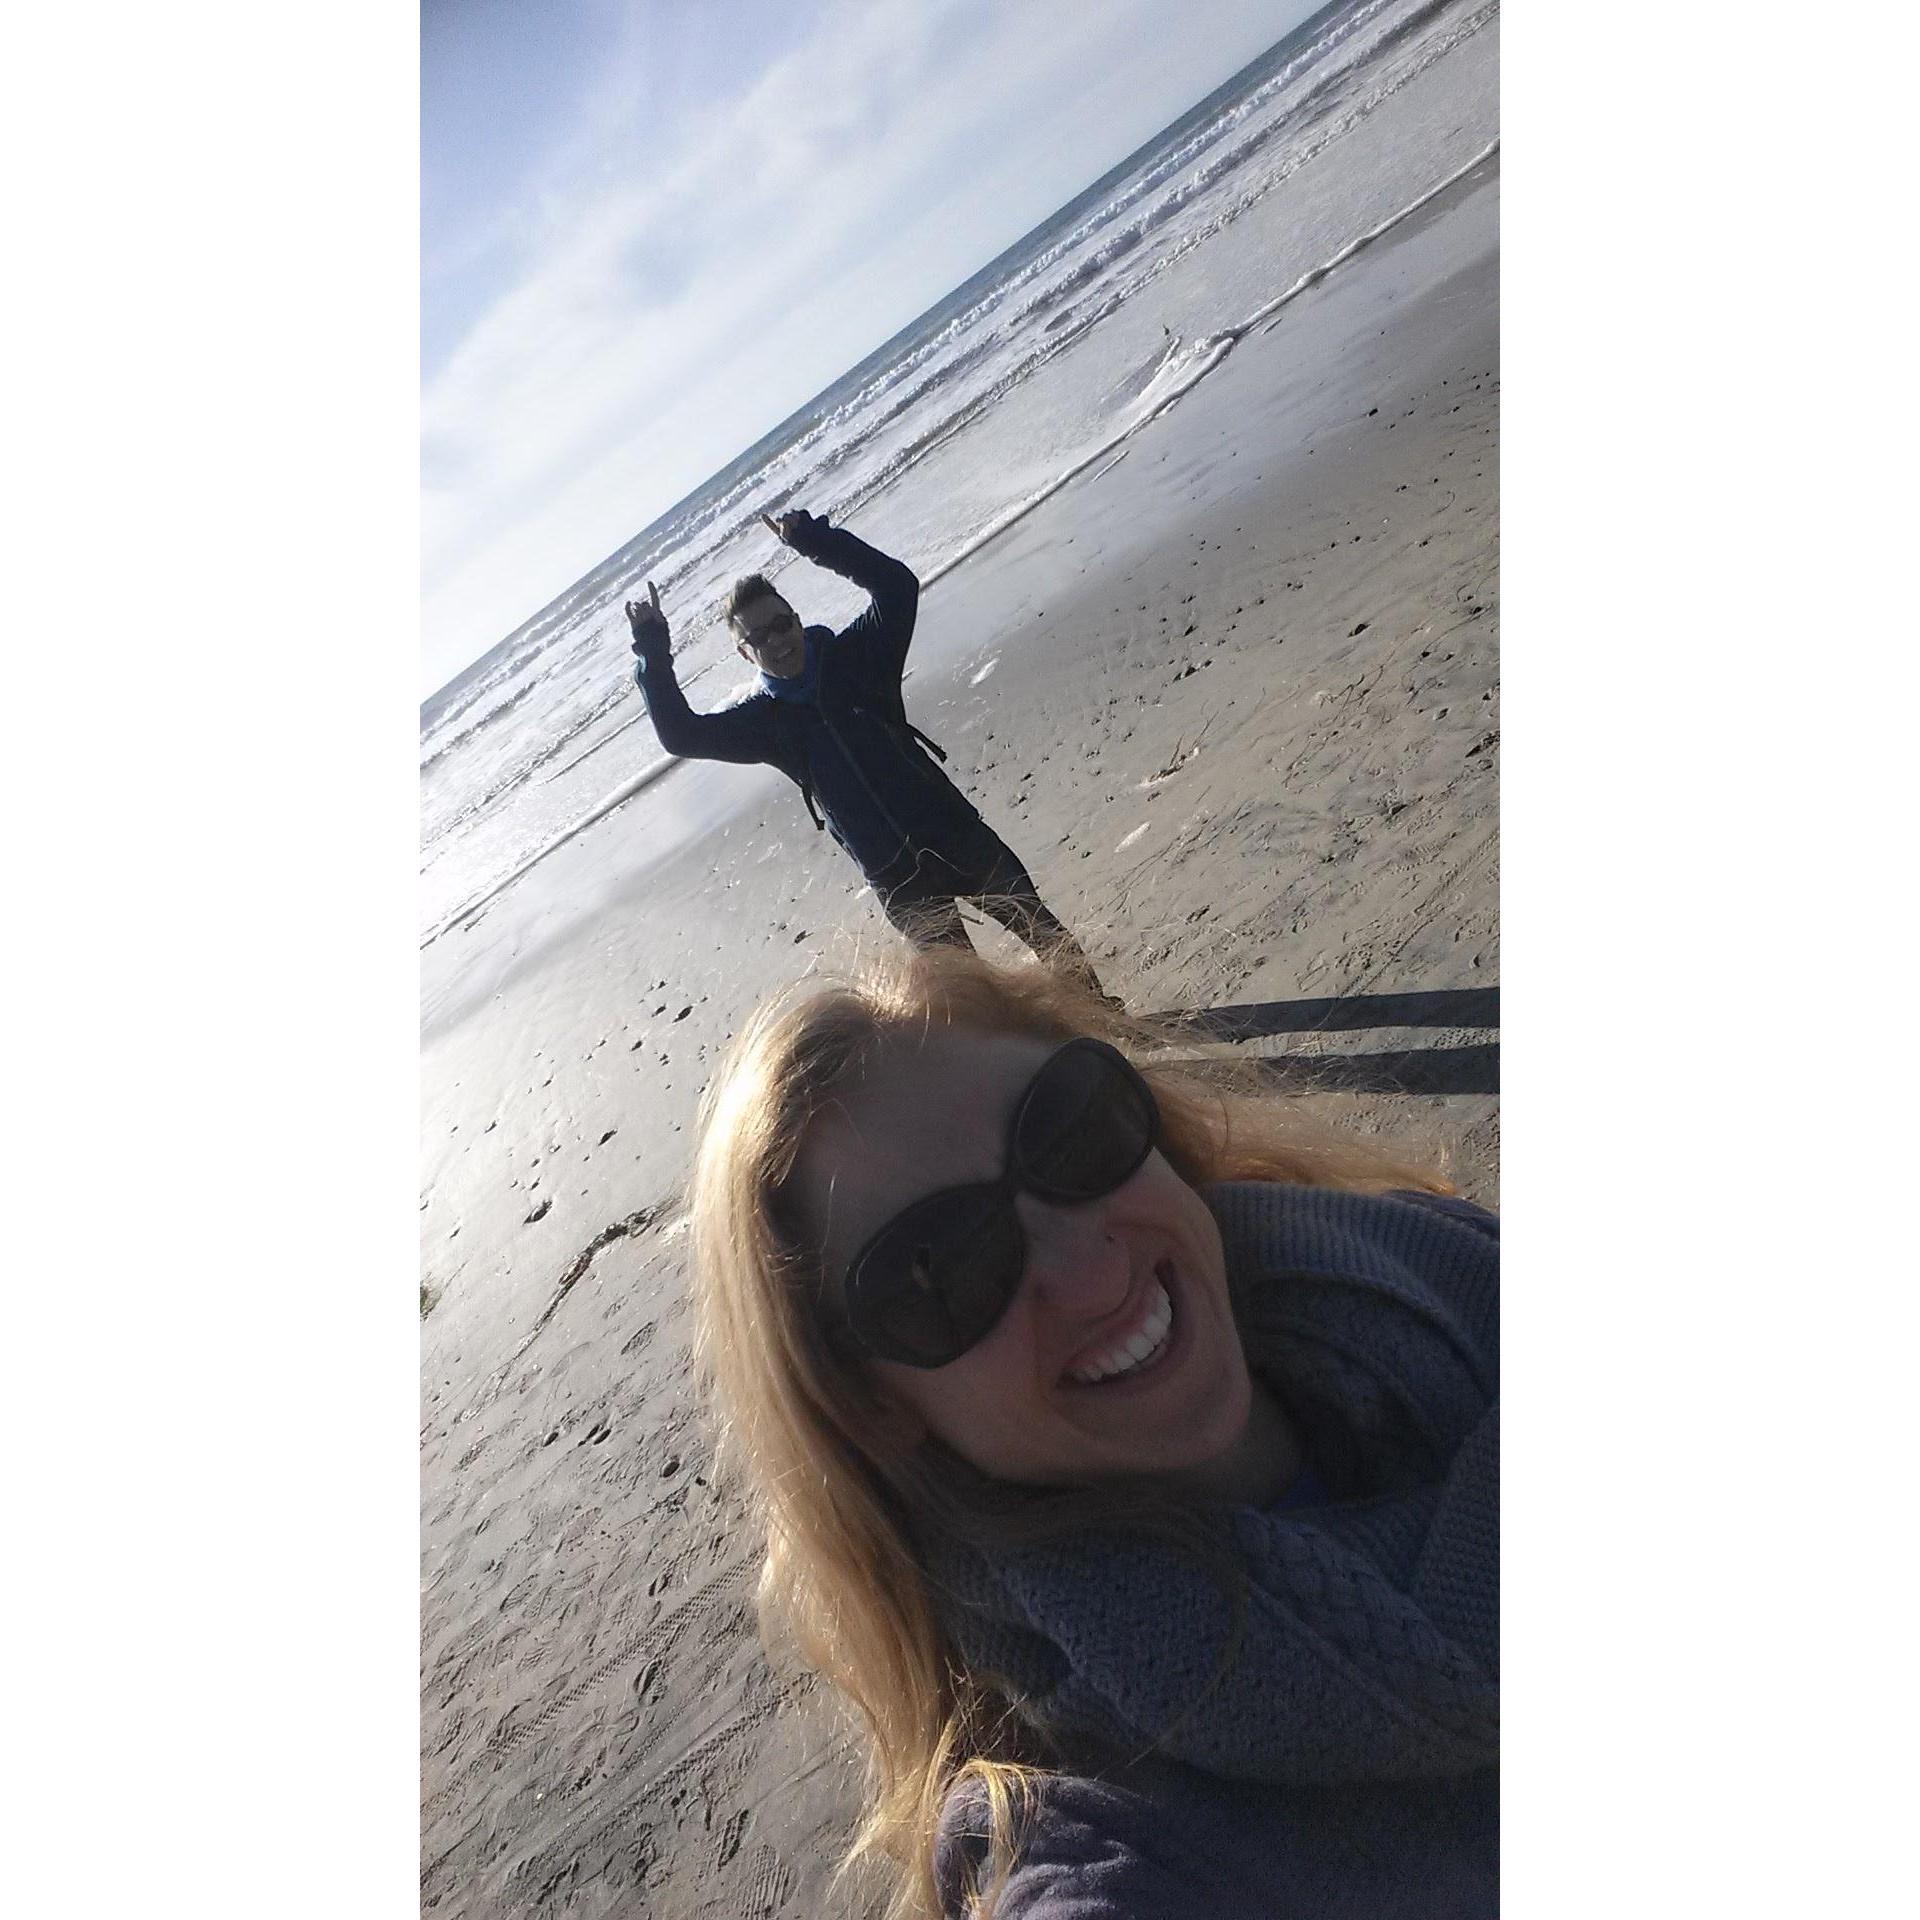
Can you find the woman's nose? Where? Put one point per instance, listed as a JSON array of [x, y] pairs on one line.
[[1072, 1258]]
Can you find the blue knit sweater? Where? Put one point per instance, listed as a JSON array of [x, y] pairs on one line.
[[1348, 1764]]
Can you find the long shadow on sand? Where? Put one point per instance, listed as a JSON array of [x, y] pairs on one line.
[[1466, 1069]]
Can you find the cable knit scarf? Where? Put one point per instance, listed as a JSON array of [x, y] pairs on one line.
[[1368, 1646]]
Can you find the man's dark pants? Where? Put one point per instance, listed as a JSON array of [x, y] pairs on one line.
[[922, 900]]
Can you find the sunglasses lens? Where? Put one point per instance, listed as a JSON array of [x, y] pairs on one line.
[[937, 1280], [940, 1278], [1087, 1124]]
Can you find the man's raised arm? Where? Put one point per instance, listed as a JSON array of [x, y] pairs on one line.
[[884, 630], [730, 734]]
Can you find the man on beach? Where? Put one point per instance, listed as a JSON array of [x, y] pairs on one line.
[[828, 713]]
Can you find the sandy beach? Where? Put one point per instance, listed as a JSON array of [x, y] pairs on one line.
[[1233, 698]]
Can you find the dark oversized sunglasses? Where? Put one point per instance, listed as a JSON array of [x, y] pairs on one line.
[[936, 1278]]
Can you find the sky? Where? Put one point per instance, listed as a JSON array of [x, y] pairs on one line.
[[652, 229]]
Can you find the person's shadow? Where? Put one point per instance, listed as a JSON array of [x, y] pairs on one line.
[[1473, 1068]]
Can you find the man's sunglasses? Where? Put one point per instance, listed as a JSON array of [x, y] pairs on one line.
[[935, 1280], [787, 623]]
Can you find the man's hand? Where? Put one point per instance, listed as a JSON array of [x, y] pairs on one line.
[[649, 624], [791, 529]]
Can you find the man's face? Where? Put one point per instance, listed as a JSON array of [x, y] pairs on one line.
[[771, 637]]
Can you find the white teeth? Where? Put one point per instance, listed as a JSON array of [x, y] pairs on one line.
[[1140, 1347]]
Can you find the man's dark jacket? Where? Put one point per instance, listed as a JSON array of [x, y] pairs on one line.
[[849, 749]]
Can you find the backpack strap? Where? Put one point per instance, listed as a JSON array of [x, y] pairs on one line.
[[932, 746], [806, 795]]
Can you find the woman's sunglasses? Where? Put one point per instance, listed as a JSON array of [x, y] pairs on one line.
[[936, 1279]]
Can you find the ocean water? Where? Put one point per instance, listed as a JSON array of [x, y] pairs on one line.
[[1038, 369]]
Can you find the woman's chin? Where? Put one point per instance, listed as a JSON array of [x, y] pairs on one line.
[[1183, 1412]]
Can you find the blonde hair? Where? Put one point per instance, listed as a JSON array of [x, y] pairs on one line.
[[843, 1581]]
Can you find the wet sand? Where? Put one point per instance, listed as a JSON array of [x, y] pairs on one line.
[[1234, 701]]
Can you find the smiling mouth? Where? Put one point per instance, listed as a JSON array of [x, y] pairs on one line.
[[1141, 1345]]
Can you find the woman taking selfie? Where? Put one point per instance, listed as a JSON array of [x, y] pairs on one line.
[[1126, 1450]]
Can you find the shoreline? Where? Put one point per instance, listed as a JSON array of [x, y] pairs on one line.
[[1115, 448]]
